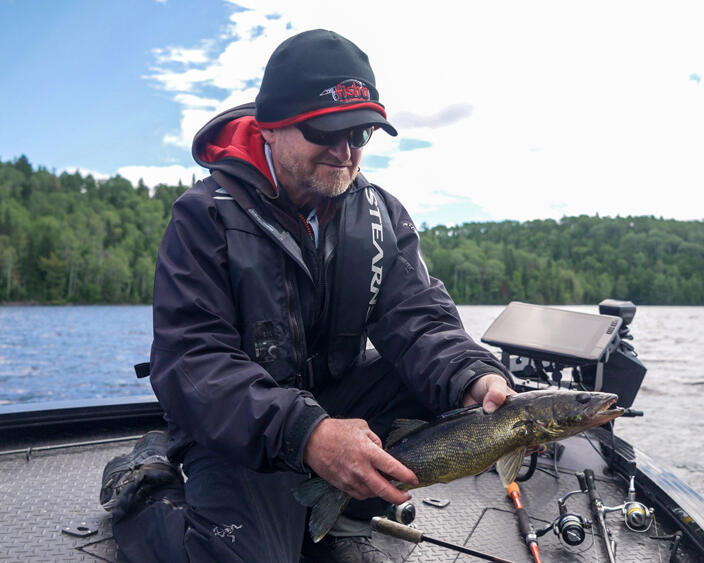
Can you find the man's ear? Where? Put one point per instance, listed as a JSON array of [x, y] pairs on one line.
[[268, 135]]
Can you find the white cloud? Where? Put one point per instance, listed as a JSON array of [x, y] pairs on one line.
[[153, 175], [86, 172], [191, 101], [180, 81], [533, 109], [445, 116], [150, 175], [181, 55]]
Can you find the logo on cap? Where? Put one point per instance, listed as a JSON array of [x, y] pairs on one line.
[[348, 91]]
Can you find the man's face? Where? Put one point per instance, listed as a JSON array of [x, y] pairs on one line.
[[306, 169]]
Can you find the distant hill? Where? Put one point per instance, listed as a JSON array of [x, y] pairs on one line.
[[574, 260], [71, 239]]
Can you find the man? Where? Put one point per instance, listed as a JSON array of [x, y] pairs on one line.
[[271, 275]]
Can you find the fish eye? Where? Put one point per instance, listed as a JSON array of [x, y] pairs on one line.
[[583, 397]]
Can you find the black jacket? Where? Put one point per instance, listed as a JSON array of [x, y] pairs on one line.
[[250, 318]]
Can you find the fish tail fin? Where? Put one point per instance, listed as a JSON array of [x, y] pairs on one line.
[[327, 503]]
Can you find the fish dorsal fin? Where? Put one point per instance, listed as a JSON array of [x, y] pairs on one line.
[[403, 427], [455, 413], [509, 465]]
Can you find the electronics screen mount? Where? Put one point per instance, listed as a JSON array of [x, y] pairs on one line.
[[557, 335]]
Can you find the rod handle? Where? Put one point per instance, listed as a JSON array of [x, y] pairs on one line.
[[591, 486], [396, 530], [582, 482]]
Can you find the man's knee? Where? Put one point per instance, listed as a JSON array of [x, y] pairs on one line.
[[235, 509]]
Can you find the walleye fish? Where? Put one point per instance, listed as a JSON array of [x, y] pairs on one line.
[[468, 441]]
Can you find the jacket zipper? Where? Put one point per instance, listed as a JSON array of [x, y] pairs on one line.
[[309, 230], [326, 297], [296, 332]]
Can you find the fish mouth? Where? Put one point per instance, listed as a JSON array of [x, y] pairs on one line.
[[605, 413]]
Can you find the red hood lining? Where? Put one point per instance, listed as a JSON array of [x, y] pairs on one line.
[[240, 138]]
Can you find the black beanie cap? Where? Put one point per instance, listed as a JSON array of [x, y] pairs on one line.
[[322, 78]]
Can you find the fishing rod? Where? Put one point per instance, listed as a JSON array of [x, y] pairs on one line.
[[396, 530], [524, 524], [598, 511], [636, 516]]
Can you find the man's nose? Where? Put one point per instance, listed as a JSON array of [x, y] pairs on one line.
[[341, 150]]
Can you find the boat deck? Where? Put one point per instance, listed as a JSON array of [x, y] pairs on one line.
[[49, 492]]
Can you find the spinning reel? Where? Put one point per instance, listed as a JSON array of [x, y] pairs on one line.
[[636, 516], [571, 527]]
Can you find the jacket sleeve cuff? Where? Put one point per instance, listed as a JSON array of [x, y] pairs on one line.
[[462, 382], [297, 434]]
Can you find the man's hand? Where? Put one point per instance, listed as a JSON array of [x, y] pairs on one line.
[[348, 455], [490, 390]]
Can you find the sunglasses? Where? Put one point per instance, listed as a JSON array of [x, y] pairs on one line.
[[357, 137]]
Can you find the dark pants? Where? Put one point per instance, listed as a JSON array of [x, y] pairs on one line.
[[231, 513]]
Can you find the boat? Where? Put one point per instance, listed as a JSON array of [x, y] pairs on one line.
[[592, 497]]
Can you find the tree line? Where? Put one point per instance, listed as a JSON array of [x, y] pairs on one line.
[[578, 260], [69, 238]]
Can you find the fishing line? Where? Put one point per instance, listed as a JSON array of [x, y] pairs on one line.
[[601, 455], [547, 472]]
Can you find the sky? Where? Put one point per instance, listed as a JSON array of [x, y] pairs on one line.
[[513, 110]]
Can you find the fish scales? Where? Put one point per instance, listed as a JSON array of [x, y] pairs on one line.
[[468, 441], [459, 447]]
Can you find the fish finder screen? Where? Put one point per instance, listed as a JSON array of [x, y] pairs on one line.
[[557, 333]]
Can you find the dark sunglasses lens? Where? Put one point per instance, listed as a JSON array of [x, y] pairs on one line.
[[318, 137], [359, 136]]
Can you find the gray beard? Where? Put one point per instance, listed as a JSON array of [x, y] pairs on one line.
[[337, 185], [327, 190], [330, 189]]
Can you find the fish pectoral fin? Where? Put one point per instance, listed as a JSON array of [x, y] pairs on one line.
[[401, 428], [509, 465]]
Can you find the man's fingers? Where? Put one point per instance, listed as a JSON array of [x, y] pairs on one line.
[[493, 399], [349, 455], [492, 390], [374, 438], [381, 488], [390, 466]]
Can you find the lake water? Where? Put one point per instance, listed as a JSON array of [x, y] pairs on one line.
[[87, 352], [76, 352]]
